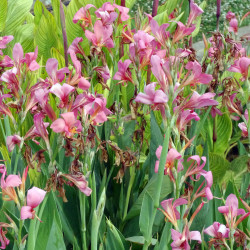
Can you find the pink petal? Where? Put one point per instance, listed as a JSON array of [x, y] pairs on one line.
[[26, 212], [84, 83], [17, 52], [13, 181], [58, 126]]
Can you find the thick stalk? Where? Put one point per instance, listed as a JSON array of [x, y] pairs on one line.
[[65, 43], [83, 219], [162, 163], [155, 7], [218, 14]]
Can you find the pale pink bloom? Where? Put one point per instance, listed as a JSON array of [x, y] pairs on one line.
[[183, 52], [68, 124], [233, 25], [217, 231], [161, 71], [12, 140], [195, 11], [241, 66], [206, 191], [172, 156], [124, 74], [195, 75], [62, 92], [199, 101], [10, 77], [3, 107], [8, 185], [196, 168], [34, 197], [243, 125], [38, 129], [96, 108], [82, 82], [230, 15], [107, 7], [80, 182], [5, 40], [6, 62], [30, 60], [101, 36], [52, 70], [231, 211], [123, 16], [17, 54], [184, 117], [103, 72], [152, 96], [75, 46], [84, 16], [143, 40], [160, 32], [182, 31], [170, 211], [180, 240], [106, 17]]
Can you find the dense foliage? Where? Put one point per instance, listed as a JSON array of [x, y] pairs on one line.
[[123, 139]]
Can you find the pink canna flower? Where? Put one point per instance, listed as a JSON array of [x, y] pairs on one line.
[[103, 73], [206, 191], [182, 31], [231, 211], [152, 96], [180, 240], [18, 55], [101, 36], [195, 11], [68, 124], [80, 182], [199, 101], [54, 74], [106, 17], [123, 16], [124, 73], [243, 126], [160, 32], [241, 66], [8, 185], [4, 41], [183, 52], [83, 83], [84, 16], [34, 198], [107, 7], [195, 75], [185, 117], [30, 60], [172, 156], [233, 25], [217, 231], [170, 211], [62, 91], [230, 15], [195, 168], [4, 110], [96, 108], [6, 62], [161, 71], [13, 140], [75, 47]]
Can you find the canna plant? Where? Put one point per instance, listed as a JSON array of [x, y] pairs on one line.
[[124, 138]]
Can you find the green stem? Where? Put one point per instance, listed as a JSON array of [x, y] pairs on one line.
[[83, 219], [163, 159], [131, 182]]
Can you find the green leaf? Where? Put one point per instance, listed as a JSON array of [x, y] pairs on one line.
[[140, 240], [166, 189], [224, 132], [3, 13], [146, 214], [218, 165], [17, 11], [114, 240]]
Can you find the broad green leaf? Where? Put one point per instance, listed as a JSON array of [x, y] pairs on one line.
[[17, 11], [3, 13], [114, 238], [127, 92], [130, 3], [218, 165], [146, 214], [168, 6], [166, 189], [140, 240], [224, 132]]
